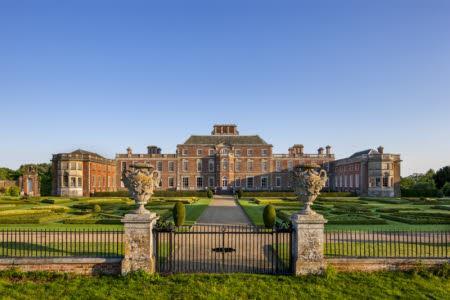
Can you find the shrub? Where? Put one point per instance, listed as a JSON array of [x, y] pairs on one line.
[[418, 217], [13, 191], [239, 193], [269, 216], [97, 208], [179, 214], [446, 189], [441, 207], [209, 193], [422, 192], [49, 201]]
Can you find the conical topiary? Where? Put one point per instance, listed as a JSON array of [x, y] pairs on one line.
[[179, 214], [269, 216]]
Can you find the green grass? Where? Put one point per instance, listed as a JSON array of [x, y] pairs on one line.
[[378, 285], [77, 213], [361, 213]]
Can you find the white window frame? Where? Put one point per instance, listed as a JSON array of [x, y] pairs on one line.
[[171, 163], [264, 152], [290, 165], [185, 165], [267, 182], [211, 165], [250, 163], [199, 165], [237, 165], [184, 152], [199, 152], [278, 181], [278, 166], [211, 152], [253, 182], [182, 182], [249, 152], [159, 165], [211, 178], [237, 182], [169, 184], [196, 182], [264, 166]]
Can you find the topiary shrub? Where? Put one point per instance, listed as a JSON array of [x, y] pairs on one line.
[[97, 208], [179, 214], [239, 193], [269, 216], [209, 193], [13, 191]]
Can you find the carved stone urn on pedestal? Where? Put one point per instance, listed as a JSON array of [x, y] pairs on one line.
[[139, 253], [308, 226]]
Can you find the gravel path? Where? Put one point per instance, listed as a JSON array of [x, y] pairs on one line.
[[223, 210]]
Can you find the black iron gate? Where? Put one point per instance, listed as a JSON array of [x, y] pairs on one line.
[[223, 249]]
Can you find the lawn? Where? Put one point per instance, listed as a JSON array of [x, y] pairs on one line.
[[379, 285], [84, 213], [358, 213]]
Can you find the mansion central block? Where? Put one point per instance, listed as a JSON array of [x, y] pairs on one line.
[[227, 161]]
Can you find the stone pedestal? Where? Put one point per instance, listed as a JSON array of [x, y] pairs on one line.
[[307, 243], [139, 246]]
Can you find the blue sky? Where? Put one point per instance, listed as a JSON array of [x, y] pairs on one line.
[[104, 75]]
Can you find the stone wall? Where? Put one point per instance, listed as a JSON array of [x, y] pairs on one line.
[[83, 266], [381, 264]]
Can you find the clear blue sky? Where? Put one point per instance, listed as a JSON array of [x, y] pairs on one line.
[[104, 75]]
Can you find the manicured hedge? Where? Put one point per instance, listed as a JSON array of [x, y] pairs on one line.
[[292, 194], [421, 193], [418, 217], [156, 194], [92, 221], [442, 207]]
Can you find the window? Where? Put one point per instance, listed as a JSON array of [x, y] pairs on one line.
[[211, 152], [199, 165], [278, 181], [264, 165], [199, 182], [199, 151], [124, 166], [93, 181], [159, 166], [79, 166], [170, 182], [290, 165], [357, 181], [73, 181], [336, 182], [185, 182], [237, 152], [264, 152], [249, 182], [171, 166], [385, 181], [237, 166], [185, 165], [224, 181], [250, 165], [345, 180], [65, 180], [249, 152], [73, 165], [237, 182], [211, 181], [225, 164], [184, 152], [211, 165], [224, 151], [340, 181], [351, 181], [377, 181], [264, 183], [278, 166]]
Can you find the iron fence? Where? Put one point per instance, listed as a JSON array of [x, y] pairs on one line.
[[61, 243], [387, 244], [224, 249]]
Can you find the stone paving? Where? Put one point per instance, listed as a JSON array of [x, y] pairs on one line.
[[223, 210]]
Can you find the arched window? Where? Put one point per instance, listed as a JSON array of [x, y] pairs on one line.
[[225, 164]]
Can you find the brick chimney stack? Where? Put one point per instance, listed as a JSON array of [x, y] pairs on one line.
[[380, 149], [328, 150]]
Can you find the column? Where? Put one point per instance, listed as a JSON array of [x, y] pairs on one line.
[[307, 243], [139, 244]]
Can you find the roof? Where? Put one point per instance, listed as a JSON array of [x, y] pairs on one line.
[[364, 152], [225, 139], [84, 152]]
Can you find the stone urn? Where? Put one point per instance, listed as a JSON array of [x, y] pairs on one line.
[[141, 181], [307, 183]]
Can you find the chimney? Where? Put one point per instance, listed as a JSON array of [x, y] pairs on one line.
[[328, 150], [153, 150], [129, 151], [320, 151], [380, 149]]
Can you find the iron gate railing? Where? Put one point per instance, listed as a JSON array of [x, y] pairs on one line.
[[223, 249]]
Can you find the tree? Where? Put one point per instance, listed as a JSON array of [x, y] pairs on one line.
[[442, 176], [446, 189], [418, 180]]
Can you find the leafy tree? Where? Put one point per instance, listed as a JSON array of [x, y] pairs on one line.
[[446, 189], [8, 174], [442, 176], [12, 191], [418, 180]]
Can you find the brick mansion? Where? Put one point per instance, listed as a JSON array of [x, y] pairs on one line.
[[227, 161]]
